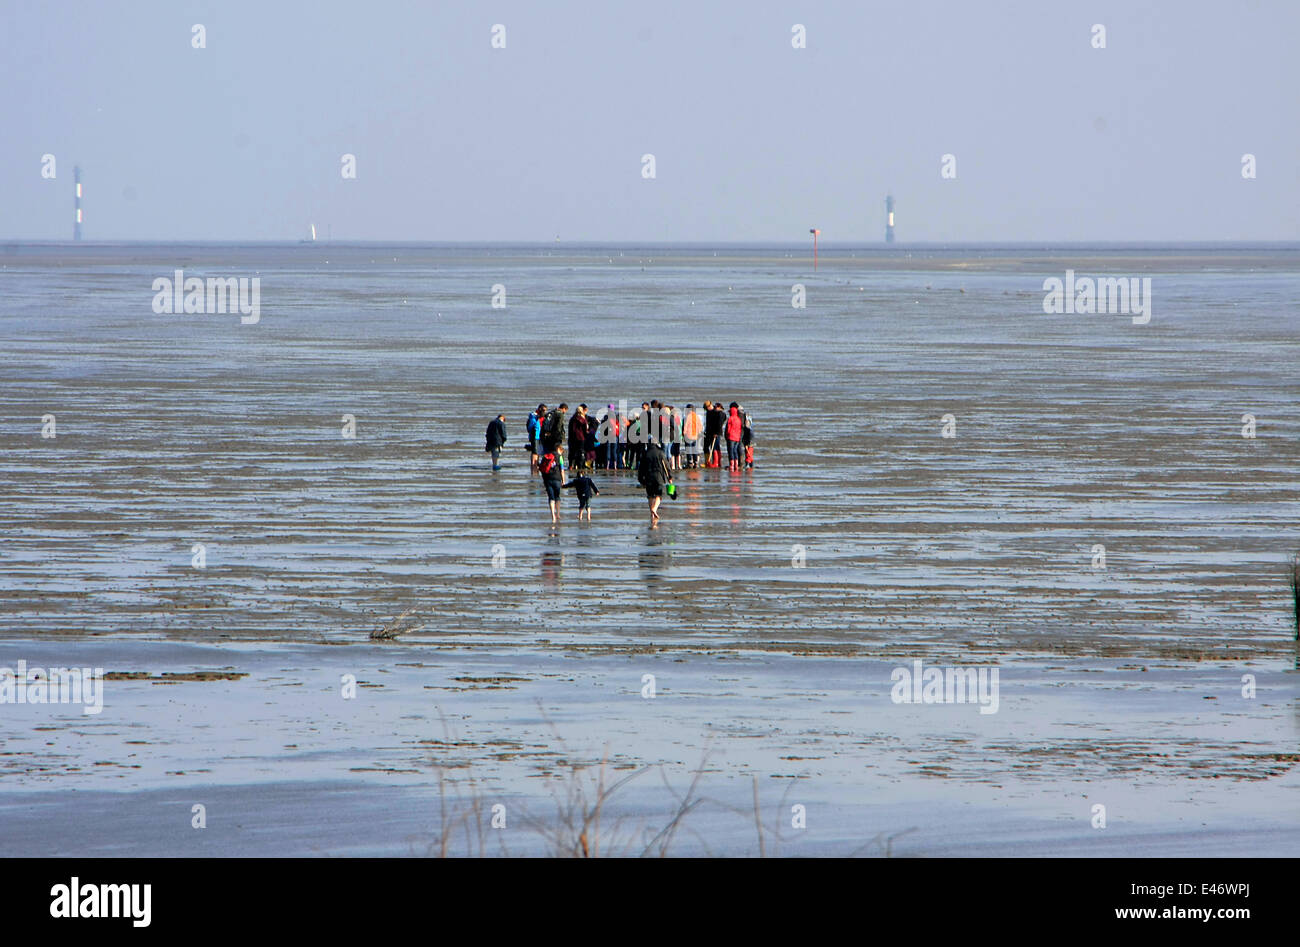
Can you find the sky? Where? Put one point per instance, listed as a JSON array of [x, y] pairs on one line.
[[1052, 139]]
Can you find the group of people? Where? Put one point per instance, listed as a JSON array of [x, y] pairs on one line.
[[614, 439], [655, 441]]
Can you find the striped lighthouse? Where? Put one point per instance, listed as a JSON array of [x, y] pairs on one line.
[[76, 227]]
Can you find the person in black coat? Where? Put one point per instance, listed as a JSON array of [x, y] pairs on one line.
[[653, 474], [715, 420], [496, 439], [553, 428]]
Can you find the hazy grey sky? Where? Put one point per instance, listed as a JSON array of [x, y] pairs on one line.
[[753, 139]]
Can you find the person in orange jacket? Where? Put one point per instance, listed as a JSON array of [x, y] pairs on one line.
[[692, 431]]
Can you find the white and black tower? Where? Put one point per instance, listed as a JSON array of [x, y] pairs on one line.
[[76, 226]]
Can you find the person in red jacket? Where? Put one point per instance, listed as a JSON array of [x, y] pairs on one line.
[[735, 431]]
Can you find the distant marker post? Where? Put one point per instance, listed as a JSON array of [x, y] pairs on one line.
[[76, 225], [815, 232]]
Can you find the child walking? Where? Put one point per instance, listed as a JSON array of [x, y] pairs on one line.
[[585, 488]]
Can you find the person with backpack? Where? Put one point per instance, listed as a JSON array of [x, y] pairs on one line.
[[552, 471], [551, 436], [534, 428], [496, 439], [653, 474]]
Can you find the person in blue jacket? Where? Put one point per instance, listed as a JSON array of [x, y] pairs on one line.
[[535, 431]]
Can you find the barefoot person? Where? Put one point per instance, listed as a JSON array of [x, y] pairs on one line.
[[496, 439], [653, 474], [552, 479], [585, 488]]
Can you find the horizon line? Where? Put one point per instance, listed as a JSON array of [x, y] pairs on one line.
[[7, 243]]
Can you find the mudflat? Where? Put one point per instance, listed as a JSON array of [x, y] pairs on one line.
[[1108, 525]]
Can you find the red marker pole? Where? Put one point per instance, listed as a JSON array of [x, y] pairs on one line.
[[814, 231]]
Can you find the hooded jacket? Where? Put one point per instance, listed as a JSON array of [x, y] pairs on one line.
[[691, 426], [734, 425]]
